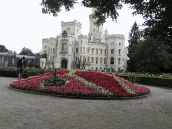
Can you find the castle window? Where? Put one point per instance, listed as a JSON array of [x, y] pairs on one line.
[[92, 59], [88, 50], [112, 43], [96, 60], [96, 51], [53, 50], [119, 43], [105, 51], [119, 60], [76, 50], [80, 49], [105, 60], [88, 59], [119, 51], [64, 34], [101, 51], [64, 46], [112, 51], [92, 50], [76, 59], [111, 60]]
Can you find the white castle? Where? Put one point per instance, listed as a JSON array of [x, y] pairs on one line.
[[98, 50]]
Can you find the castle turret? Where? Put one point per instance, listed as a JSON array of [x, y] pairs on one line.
[[95, 32], [72, 28]]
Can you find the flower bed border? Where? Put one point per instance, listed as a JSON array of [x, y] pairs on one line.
[[81, 97]]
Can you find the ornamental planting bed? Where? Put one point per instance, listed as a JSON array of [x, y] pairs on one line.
[[82, 84]]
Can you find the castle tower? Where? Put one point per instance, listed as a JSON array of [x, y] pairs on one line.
[[95, 31], [72, 28]]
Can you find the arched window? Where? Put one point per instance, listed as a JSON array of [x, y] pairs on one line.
[[64, 34], [64, 46], [96, 60], [119, 60], [119, 51], [76, 50], [111, 60]]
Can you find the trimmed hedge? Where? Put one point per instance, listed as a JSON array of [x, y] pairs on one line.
[[165, 82], [33, 72], [8, 72], [12, 72]]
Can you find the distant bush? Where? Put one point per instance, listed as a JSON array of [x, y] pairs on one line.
[[34, 71], [164, 80], [155, 81], [11, 72], [8, 72], [163, 75]]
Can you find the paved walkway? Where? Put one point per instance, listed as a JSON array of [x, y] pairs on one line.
[[19, 110]]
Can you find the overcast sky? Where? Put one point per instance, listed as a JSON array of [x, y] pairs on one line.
[[22, 23]]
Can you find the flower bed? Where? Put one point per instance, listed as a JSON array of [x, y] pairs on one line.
[[82, 84]]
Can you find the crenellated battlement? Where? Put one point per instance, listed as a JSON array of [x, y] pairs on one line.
[[114, 36], [71, 23]]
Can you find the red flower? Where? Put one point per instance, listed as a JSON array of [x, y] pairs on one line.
[[76, 87]]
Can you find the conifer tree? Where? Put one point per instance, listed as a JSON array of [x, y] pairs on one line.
[[134, 39]]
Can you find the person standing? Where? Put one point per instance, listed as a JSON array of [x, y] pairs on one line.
[[21, 67]]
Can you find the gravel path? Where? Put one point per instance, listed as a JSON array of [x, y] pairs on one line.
[[19, 110]]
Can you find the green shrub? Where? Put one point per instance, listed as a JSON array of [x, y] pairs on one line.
[[12, 72], [35, 71], [8, 72], [157, 81]]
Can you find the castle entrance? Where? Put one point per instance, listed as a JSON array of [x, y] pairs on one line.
[[64, 64]]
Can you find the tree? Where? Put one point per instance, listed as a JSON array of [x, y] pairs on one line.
[[157, 13], [152, 56], [158, 18], [26, 51], [3, 48], [79, 64], [134, 39]]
